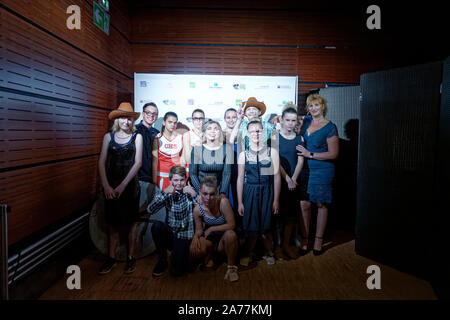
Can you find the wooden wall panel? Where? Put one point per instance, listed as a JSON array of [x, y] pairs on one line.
[[44, 194], [214, 60], [51, 15], [253, 42], [56, 89], [36, 62], [37, 130], [168, 25]]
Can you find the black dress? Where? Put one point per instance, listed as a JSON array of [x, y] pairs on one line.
[[124, 210]]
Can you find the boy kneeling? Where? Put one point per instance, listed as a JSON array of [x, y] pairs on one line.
[[176, 233]]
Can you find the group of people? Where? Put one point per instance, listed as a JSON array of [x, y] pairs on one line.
[[222, 188]]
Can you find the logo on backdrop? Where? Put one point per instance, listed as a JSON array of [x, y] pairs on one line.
[[192, 84], [143, 84], [263, 87], [190, 102], [170, 85], [238, 102], [168, 102], [283, 86], [239, 86], [215, 85]]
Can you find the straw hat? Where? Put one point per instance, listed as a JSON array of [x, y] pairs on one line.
[[124, 110], [252, 102]]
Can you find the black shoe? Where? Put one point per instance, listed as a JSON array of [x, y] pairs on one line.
[[318, 252], [131, 265], [303, 252], [107, 266], [160, 267]]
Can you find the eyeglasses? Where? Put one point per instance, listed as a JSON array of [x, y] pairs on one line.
[[198, 119], [153, 114]]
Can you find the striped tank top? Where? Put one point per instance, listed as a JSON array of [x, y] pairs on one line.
[[212, 221]]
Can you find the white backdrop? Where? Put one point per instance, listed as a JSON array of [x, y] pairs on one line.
[[211, 93]]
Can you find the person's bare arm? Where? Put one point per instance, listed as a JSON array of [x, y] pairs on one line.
[[276, 179], [240, 182], [331, 154], [155, 150], [107, 189]]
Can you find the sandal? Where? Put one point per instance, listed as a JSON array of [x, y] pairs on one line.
[[318, 252]]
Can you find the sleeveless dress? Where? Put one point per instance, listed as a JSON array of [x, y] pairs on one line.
[[124, 210], [210, 221], [258, 195], [169, 153], [289, 200], [206, 162], [318, 174]]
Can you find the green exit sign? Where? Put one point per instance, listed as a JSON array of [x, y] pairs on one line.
[[104, 4], [101, 18]]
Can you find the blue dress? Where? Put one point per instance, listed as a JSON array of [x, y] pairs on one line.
[[319, 173], [289, 200], [258, 195]]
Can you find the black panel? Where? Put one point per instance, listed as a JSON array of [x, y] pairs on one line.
[[397, 151], [343, 109], [439, 241]]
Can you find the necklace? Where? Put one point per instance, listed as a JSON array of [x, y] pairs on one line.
[[123, 137]]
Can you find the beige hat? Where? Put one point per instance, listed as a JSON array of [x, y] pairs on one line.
[[124, 110]]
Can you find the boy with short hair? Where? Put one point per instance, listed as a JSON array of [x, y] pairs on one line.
[[175, 234]]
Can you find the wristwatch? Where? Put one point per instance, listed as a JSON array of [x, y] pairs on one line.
[[311, 155]]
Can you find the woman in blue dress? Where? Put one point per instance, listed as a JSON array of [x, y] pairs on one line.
[[321, 149]]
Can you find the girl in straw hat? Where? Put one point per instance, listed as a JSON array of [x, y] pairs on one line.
[[119, 162]]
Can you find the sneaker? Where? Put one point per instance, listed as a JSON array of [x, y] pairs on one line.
[[232, 274], [131, 265], [108, 265], [160, 267], [269, 260]]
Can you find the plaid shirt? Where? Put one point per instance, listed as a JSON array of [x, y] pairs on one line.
[[179, 212]]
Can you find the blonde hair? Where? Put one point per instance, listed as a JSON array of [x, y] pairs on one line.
[[115, 127], [320, 99], [205, 126], [288, 105]]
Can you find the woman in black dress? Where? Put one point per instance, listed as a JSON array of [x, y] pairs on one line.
[[119, 162]]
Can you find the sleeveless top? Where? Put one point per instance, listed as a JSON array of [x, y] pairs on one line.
[[119, 161], [169, 152], [194, 139], [212, 221], [258, 172]]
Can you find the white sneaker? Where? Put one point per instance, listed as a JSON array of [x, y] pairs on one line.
[[269, 260], [232, 274]]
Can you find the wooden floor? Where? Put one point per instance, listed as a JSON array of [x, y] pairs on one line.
[[338, 274]]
